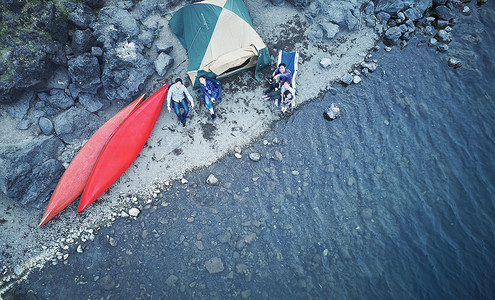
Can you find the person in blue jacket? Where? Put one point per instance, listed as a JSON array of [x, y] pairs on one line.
[[211, 93], [279, 76]]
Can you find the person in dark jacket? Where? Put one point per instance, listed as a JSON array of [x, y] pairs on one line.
[[279, 76], [211, 93]]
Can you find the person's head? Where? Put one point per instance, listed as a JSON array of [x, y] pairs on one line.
[[286, 84], [202, 79], [178, 82], [282, 67], [287, 95]]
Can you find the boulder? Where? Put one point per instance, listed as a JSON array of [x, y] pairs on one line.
[[255, 156], [148, 8], [19, 108], [413, 13], [23, 125], [125, 70], [58, 99], [347, 79], [454, 62], [330, 29], [332, 112], [444, 36], [325, 62], [84, 71], [75, 124], [146, 38], [82, 41], [46, 126], [444, 13], [163, 63], [81, 15], [164, 46], [92, 103], [94, 3], [393, 33], [114, 25], [300, 3], [212, 180], [29, 170]]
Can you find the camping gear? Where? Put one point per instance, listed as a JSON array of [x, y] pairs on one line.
[[291, 61], [219, 38], [123, 147], [72, 182]]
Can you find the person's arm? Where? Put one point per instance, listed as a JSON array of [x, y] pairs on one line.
[[275, 73], [188, 96], [169, 96]]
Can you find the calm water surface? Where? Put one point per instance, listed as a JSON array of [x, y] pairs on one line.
[[394, 200]]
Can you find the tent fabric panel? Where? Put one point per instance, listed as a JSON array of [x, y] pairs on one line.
[[220, 3], [239, 8], [225, 40], [194, 25], [263, 61], [231, 59]]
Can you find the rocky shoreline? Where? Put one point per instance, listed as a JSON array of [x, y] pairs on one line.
[[51, 100]]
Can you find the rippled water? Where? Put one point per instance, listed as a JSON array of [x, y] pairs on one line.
[[394, 200]]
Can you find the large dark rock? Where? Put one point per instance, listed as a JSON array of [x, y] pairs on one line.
[[81, 15], [29, 170], [29, 55], [20, 108], [57, 99], [95, 3], [75, 124], [92, 103], [125, 70], [84, 71], [300, 3], [147, 8], [82, 41], [114, 25], [444, 13]]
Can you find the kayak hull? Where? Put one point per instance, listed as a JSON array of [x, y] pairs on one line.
[[75, 177], [123, 147]]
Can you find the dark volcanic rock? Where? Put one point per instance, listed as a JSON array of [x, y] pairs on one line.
[[81, 15], [46, 126], [444, 13], [92, 103], [58, 99], [75, 124], [29, 171], [82, 41], [114, 25], [20, 108], [84, 71], [126, 69], [29, 55]]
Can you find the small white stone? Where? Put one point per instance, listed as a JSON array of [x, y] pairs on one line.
[[134, 212], [237, 155], [356, 79], [325, 62]]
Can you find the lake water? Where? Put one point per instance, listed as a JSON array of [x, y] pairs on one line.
[[393, 200]]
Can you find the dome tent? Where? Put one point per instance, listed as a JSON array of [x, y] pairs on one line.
[[219, 39]]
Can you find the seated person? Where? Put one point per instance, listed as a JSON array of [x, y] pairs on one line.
[[287, 99], [280, 75], [211, 93]]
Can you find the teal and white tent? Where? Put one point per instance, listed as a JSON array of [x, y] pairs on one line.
[[219, 38]]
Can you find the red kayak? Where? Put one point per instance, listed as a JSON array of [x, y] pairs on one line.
[[123, 147], [72, 182]]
